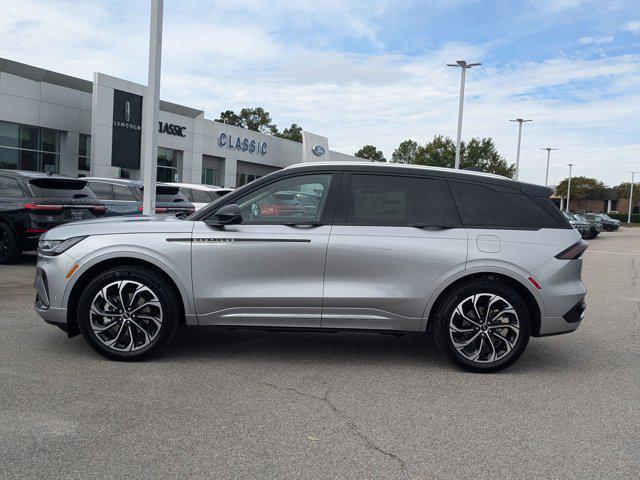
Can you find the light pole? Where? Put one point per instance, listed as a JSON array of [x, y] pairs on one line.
[[151, 107], [463, 66], [571, 165], [546, 177], [520, 122], [631, 197]]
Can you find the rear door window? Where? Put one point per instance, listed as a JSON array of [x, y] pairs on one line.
[[492, 206], [60, 188], [123, 193], [200, 196], [102, 190], [393, 201], [10, 188]]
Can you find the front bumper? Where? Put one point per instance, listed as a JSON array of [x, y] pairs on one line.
[[50, 285]]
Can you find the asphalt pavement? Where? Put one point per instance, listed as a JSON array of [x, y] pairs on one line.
[[253, 404]]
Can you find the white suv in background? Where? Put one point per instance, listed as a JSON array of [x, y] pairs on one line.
[[201, 195]]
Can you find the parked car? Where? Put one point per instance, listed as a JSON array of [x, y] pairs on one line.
[[608, 224], [581, 225], [480, 261], [124, 197], [32, 203], [595, 223], [201, 195]]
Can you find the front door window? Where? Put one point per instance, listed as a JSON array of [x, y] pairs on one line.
[[297, 199]]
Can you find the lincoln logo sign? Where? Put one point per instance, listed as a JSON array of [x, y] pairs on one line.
[[242, 144], [171, 129]]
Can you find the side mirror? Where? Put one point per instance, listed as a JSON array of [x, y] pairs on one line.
[[227, 215]]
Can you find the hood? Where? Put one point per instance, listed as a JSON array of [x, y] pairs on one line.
[[116, 225]]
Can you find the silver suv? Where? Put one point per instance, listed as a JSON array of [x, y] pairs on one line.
[[479, 261]]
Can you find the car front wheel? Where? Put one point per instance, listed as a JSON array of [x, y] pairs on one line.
[[128, 313], [8, 249], [483, 326]]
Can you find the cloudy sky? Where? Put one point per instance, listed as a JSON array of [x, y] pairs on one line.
[[375, 72]]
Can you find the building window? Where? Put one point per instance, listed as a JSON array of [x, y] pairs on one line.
[[210, 176], [84, 153], [29, 148], [244, 178], [169, 165]]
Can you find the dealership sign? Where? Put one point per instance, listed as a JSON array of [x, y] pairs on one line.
[[171, 129], [318, 150], [242, 144], [127, 130]]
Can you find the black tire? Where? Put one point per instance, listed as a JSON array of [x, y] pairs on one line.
[[9, 251], [164, 292], [447, 307]]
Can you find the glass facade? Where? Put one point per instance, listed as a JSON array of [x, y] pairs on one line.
[[169, 165], [29, 148], [84, 153]]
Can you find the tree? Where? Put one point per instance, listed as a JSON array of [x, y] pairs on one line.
[[293, 133], [405, 153], [479, 154], [256, 119], [229, 117], [624, 188], [582, 188], [371, 153]]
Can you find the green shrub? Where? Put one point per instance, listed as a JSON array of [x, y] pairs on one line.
[[635, 217]]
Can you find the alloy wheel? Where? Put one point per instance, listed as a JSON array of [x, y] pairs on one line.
[[484, 328], [126, 315]]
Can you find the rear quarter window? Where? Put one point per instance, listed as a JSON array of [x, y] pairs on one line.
[[499, 207]]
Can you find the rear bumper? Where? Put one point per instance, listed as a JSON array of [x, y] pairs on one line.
[[569, 322]]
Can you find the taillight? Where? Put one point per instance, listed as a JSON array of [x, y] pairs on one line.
[[574, 251], [36, 230], [140, 209], [40, 207], [99, 209]]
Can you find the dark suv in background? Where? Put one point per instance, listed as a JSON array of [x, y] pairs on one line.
[[124, 197], [32, 203]]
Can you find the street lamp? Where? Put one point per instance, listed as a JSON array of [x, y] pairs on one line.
[[631, 197], [520, 122], [571, 165], [546, 177], [463, 66], [150, 109]]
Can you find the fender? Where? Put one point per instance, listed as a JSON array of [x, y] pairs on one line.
[[140, 253], [475, 267]]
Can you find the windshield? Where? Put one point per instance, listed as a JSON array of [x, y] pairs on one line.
[[60, 188]]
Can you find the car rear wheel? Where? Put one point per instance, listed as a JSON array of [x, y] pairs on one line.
[[128, 313], [483, 326], [9, 251]]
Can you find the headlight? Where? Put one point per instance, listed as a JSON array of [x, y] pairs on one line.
[[51, 248]]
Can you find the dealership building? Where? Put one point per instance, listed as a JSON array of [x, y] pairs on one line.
[[53, 122]]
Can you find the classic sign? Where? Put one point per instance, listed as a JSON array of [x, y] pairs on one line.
[[242, 144], [172, 129]]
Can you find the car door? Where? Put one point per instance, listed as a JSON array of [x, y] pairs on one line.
[[103, 191], [124, 200], [269, 269], [395, 239]]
